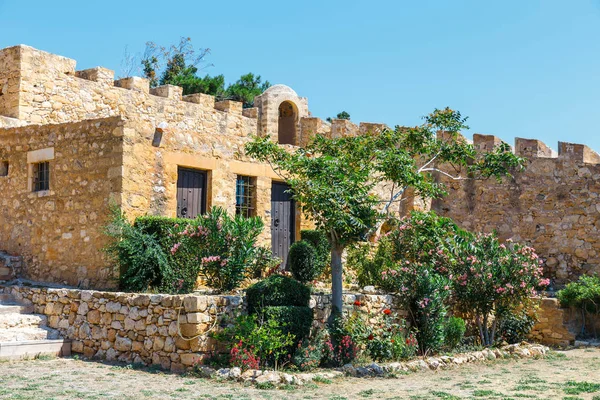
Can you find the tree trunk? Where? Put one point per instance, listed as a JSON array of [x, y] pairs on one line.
[[336, 279]]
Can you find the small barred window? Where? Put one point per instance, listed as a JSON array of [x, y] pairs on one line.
[[41, 176], [245, 196]]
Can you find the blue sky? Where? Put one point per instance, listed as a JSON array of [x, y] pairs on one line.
[[526, 68]]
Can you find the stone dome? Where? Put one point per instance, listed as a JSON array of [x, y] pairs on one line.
[[281, 89]]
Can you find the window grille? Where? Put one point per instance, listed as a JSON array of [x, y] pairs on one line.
[[41, 176], [244, 196]]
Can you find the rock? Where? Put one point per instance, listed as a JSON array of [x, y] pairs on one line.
[[376, 369], [369, 289], [433, 363], [349, 370], [222, 373], [362, 372], [268, 376], [235, 373], [251, 374]]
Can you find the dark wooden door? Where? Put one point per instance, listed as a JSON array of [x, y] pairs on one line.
[[283, 220], [191, 192]]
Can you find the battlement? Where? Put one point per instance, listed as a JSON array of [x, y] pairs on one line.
[[39, 87]]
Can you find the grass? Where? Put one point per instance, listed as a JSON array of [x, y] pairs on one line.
[[322, 379], [573, 387]]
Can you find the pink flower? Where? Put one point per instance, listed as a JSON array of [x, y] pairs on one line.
[[175, 247]]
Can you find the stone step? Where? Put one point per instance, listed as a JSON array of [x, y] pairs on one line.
[[7, 298], [27, 334], [8, 308], [17, 320], [35, 348]]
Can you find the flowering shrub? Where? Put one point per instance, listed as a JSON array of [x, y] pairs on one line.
[[340, 352], [251, 339], [491, 280], [309, 353], [218, 247], [390, 340]]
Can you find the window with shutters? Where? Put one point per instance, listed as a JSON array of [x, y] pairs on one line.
[[245, 196]]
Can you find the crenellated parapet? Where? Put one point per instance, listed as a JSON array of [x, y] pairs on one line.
[[533, 148], [41, 88]]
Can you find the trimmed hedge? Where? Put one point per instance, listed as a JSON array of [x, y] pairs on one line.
[[293, 319], [302, 262], [318, 239], [277, 290]]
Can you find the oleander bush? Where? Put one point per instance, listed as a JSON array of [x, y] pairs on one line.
[[170, 254]]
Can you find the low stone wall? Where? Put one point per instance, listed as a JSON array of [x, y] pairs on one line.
[[171, 331], [552, 328]]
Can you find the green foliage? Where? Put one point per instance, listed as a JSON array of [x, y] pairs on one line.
[[514, 328], [179, 65], [294, 320], [246, 89], [389, 340], [369, 263], [277, 290], [263, 339], [160, 227], [340, 115], [142, 262], [454, 332], [584, 294], [302, 261], [319, 241], [219, 247]]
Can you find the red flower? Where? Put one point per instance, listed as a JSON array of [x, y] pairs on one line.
[[357, 303], [371, 337], [387, 311]]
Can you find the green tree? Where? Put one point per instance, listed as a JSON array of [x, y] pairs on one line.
[[334, 179], [246, 88], [342, 115]]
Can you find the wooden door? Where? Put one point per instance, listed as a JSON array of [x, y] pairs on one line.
[[283, 220], [191, 193]]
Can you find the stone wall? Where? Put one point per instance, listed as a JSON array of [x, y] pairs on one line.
[[58, 232], [171, 331], [552, 327], [552, 205]]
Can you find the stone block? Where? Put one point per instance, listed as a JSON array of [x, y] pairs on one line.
[[134, 83], [168, 91], [230, 106], [98, 74]]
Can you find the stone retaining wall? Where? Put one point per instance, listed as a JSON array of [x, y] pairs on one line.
[[168, 330], [552, 328]]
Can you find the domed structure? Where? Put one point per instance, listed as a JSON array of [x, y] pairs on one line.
[[281, 89]]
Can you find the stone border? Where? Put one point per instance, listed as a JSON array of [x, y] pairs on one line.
[[513, 351]]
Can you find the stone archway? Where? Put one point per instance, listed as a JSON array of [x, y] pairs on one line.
[[288, 118]]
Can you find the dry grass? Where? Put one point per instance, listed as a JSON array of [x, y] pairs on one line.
[[573, 374]]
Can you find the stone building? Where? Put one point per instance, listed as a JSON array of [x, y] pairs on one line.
[[73, 141]]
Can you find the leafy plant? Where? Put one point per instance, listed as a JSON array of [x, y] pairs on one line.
[[255, 339], [292, 319], [277, 290], [318, 239], [514, 328], [302, 261], [583, 294], [390, 340], [309, 352], [142, 262], [454, 332]]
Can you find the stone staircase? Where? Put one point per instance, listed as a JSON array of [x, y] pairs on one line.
[[26, 335]]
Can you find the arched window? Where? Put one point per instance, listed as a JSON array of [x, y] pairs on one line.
[[287, 123]]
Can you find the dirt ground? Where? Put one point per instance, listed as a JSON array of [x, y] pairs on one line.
[[569, 375]]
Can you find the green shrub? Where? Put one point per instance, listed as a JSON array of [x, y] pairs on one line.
[[302, 262], [294, 320], [318, 239], [252, 339], [368, 262], [277, 290], [515, 328], [142, 262], [263, 262], [454, 332], [584, 294], [161, 227]]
